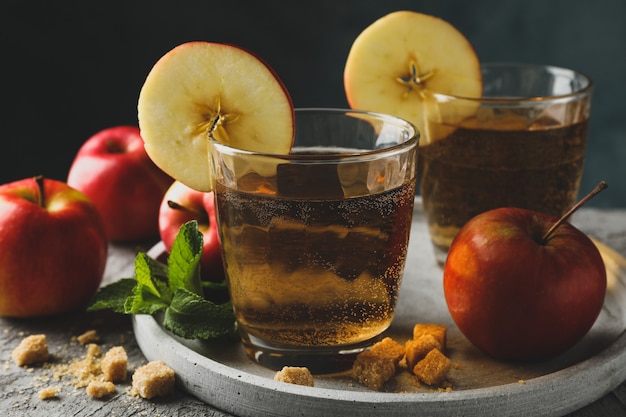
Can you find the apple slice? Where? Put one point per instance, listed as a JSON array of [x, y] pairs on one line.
[[202, 88], [396, 61]]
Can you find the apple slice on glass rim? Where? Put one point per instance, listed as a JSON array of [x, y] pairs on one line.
[[397, 62], [203, 88]]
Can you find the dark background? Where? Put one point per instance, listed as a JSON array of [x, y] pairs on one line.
[[70, 69]]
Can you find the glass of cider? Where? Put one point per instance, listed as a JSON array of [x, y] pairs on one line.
[[314, 242], [521, 144]]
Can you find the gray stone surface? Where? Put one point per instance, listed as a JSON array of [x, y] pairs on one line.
[[18, 396]]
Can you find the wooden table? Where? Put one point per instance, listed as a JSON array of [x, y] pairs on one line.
[[20, 386]]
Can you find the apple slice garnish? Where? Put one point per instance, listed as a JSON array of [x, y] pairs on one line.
[[402, 56], [202, 88]]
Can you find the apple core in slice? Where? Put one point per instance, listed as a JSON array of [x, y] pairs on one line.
[[202, 88], [396, 60]]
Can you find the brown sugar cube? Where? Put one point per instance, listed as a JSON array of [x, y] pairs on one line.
[[417, 349], [373, 370], [389, 348], [434, 368], [99, 389], [154, 379], [32, 349], [90, 336], [438, 331], [295, 375], [115, 364]]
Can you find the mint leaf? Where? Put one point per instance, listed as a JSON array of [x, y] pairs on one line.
[[192, 317], [184, 259], [215, 286], [152, 275], [113, 296], [216, 292], [143, 301], [175, 289]]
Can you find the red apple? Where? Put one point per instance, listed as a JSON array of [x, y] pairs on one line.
[[516, 295], [182, 204], [53, 248], [114, 171]]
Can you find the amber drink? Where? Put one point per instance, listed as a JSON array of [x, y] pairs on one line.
[[315, 242], [520, 145]]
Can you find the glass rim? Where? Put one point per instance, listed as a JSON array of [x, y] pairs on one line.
[[581, 92], [411, 141]]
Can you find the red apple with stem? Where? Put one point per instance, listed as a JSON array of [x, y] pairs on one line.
[[523, 285], [53, 248], [114, 171], [182, 204]]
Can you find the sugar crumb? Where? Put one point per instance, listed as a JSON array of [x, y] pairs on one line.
[[295, 375], [48, 393], [90, 336], [32, 349], [100, 389]]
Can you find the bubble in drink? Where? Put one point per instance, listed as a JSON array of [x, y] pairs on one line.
[[537, 166], [314, 272]]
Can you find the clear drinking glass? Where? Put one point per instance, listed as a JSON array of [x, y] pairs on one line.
[[522, 144], [314, 242]]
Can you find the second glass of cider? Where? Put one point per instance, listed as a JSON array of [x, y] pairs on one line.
[[521, 144]]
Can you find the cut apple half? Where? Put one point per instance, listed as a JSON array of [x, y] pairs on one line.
[[200, 89], [404, 55]]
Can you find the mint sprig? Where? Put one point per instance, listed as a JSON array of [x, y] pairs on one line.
[[174, 289]]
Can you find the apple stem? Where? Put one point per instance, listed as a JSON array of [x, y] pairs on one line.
[[40, 186], [601, 186], [113, 146], [175, 206]]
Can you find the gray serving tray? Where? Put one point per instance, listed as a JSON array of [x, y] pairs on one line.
[[222, 375]]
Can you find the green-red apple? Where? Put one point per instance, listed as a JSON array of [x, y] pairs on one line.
[[517, 296], [114, 171], [182, 204], [53, 248]]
